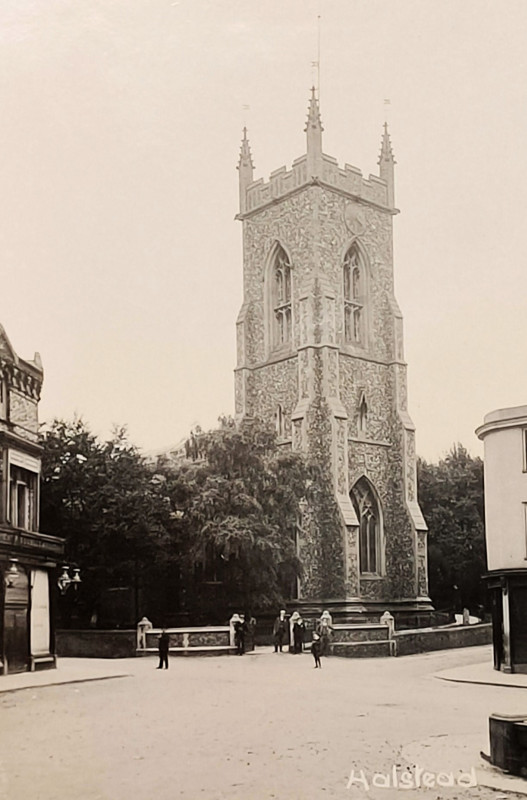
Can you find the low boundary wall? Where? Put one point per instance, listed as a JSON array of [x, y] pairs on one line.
[[96, 644], [92, 643], [424, 640]]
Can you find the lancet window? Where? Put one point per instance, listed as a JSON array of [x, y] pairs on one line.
[[281, 297], [280, 422], [363, 415], [353, 296], [368, 513]]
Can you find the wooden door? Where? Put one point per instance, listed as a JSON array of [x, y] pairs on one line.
[[16, 634]]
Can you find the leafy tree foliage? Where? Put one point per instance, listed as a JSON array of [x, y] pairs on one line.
[[102, 499], [452, 500], [238, 507], [202, 536]]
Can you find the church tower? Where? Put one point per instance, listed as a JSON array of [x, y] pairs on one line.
[[320, 353]]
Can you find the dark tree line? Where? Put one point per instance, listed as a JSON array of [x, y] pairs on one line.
[[452, 501]]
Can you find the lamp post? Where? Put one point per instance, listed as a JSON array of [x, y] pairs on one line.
[[64, 581]]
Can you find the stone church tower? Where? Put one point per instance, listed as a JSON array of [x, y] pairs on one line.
[[320, 353]]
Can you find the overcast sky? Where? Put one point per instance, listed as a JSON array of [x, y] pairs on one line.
[[119, 138]]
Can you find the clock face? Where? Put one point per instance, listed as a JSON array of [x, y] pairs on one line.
[[354, 219]]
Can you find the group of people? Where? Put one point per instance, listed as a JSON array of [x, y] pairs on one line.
[[244, 627], [321, 635]]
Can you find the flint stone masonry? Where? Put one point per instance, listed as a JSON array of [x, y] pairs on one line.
[[319, 373]]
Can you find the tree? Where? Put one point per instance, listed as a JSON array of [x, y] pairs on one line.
[[452, 500], [102, 499], [238, 506]]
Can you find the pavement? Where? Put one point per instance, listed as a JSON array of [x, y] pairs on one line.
[[69, 670], [483, 673], [262, 726]]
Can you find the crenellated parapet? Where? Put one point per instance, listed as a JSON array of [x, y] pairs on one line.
[[316, 168], [283, 182]]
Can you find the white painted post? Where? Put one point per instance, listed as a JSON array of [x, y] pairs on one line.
[[388, 620], [233, 619], [143, 626]]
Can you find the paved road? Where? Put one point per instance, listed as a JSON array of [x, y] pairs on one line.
[[257, 727]]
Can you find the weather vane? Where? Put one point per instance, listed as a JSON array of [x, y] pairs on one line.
[[245, 110]]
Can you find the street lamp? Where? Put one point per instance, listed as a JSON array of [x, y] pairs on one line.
[[11, 574], [64, 582]]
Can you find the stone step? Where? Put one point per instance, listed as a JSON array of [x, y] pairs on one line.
[[362, 649], [214, 650]]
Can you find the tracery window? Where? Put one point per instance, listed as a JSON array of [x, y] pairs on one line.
[[368, 513], [281, 298], [353, 296]]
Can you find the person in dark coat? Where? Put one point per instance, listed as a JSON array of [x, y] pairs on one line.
[[298, 635], [240, 629], [163, 646], [316, 648], [279, 631]]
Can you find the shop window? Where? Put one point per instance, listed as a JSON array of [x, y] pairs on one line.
[[23, 489]]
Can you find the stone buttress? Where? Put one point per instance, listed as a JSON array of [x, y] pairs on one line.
[[320, 354]]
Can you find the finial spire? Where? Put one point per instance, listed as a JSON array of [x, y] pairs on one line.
[[386, 147], [245, 168], [313, 114], [245, 152], [314, 130], [386, 164]]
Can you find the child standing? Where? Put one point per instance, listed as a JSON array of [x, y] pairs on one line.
[[316, 647]]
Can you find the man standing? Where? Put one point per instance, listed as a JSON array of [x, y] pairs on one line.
[[164, 642], [240, 629], [279, 631]]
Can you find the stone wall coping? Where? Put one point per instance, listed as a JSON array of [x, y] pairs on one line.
[[441, 628], [98, 631], [212, 648], [195, 629], [343, 626]]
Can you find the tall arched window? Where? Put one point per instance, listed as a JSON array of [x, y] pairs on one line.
[[281, 280], [368, 513], [353, 296]]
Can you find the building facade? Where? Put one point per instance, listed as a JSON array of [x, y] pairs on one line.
[[504, 434], [320, 353], [28, 558]]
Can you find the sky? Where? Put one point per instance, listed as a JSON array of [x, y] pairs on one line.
[[120, 130]]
